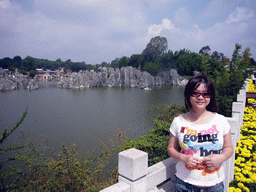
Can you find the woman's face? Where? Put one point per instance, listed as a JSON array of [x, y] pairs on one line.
[[200, 98]]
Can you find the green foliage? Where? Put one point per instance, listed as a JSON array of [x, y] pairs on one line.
[[28, 64], [151, 68], [134, 60], [205, 51], [155, 48], [13, 172], [32, 73], [123, 62], [188, 63], [68, 170], [40, 169]]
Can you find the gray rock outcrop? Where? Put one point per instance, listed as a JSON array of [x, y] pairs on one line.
[[11, 80], [32, 85], [125, 77]]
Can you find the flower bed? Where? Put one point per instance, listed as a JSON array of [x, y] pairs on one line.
[[245, 163], [251, 87]]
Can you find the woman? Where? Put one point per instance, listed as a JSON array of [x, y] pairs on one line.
[[204, 137]]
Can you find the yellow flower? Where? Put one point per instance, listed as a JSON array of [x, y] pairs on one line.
[[246, 189], [249, 168], [240, 185], [237, 169], [249, 181]]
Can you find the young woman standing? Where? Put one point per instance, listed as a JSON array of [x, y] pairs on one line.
[[204, 138]]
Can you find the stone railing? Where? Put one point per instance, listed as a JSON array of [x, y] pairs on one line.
[[136, 176]]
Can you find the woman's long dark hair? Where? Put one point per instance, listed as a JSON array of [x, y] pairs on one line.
[[193, 84]]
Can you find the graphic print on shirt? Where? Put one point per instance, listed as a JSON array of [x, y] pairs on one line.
[[204, 142]]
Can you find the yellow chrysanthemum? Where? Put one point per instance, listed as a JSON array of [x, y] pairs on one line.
[[240, 185]]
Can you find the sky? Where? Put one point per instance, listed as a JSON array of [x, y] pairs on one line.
[[96, 31]]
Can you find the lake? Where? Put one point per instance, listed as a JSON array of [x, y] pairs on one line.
[[87, 116]]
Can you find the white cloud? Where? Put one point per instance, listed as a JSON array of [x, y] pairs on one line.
[[221, 36], [122, 30], [241, 13], [155, 30], [96, 30]]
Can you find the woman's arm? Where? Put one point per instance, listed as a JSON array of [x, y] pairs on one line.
[[215, 160], [189, 160]]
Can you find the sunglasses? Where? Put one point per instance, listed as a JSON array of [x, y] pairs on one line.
[[197, 94]]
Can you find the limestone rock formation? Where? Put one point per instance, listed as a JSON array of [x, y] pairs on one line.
[[32, 85], [11, 80], [125, 77]]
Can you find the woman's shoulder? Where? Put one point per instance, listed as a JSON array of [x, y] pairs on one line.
[[178, 118], [219, 116]]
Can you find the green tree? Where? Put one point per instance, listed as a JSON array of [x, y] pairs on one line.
[[17, 62], [189, 62], [157, 47], [216, 56], [205, 51], [253, 62], [236, 57], [58, 60], [135, 60], [104, 64], [152, 68], [167, 61], [246, 58], [5, 63], [123, 62], [28, 63], [114, 63]]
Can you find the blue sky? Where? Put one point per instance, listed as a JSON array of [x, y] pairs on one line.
[[95, 31]]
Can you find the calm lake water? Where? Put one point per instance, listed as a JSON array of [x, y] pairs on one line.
[[87, 116]]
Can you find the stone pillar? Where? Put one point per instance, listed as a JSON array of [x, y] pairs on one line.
[[238, 110], [133, 168], [229, 164]]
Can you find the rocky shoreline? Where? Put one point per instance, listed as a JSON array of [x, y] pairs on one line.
[[125, 77], [10, 80], [105, 77]]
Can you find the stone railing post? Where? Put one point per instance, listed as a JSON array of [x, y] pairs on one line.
[[238, 112], [229, 164], [133, 168]]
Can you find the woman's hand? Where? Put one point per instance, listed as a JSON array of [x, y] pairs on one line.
[[191, 161], [214, 160]]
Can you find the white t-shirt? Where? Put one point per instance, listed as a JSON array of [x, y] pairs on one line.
[[200, 140]]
